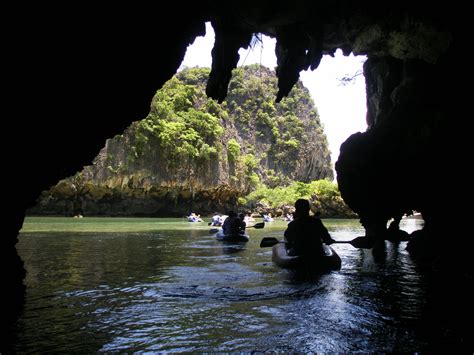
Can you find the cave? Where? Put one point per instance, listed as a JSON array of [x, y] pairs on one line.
[[79, 76]]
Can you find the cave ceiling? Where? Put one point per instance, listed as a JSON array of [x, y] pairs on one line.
[[305, 31]]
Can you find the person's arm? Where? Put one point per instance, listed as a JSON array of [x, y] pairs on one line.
[[225, 225], [243, 225], [325, 236], [289, 235]]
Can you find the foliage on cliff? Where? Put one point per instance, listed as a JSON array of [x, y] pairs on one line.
[[324, 197], [189, 139], [190, 146]]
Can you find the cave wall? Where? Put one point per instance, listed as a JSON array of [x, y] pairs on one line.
[[396, 166], [408, 157], [64, 66]]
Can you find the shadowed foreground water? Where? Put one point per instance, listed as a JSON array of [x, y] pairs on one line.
[[167, 285]]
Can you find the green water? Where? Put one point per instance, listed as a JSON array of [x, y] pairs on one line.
[[167, 285], [122, 225], [107, 225]]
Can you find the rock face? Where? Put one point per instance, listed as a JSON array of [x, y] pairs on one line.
[[191, 153], [380, 171]]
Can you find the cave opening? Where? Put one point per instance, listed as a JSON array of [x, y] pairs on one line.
[[337, 85], [136, 172], [416, 63]]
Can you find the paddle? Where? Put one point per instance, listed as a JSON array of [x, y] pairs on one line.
[[209, 223], [269, 242], [359, 242], [256, 226]]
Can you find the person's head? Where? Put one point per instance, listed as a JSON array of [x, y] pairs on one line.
[[231, 213], [302, 207]]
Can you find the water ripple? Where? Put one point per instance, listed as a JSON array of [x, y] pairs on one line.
[[180, 290]]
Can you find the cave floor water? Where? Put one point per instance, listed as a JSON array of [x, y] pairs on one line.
[[167, 285]]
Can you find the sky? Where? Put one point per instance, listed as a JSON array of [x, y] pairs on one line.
[[342, 108]]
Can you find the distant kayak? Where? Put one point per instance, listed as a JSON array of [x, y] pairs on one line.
[[232, 237], [194, 219], [267, 218], [330, 261]]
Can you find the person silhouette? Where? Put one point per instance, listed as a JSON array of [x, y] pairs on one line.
[[231, 224], [305, 234]]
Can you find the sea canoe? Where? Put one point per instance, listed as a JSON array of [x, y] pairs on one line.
[[232, 237], [330, 261]]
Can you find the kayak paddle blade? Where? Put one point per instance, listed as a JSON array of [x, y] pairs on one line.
[[359, 242], [268, 242], [213, 230], [258, 225]]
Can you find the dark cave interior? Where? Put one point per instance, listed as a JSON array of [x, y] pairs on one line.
[[79, 76]]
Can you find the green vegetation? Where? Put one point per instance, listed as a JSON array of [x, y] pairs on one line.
[[190, 148], [186, 133], [233, 150], [324, 196], [179, 129]]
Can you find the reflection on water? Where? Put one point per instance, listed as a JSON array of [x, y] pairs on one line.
[[177, 289]]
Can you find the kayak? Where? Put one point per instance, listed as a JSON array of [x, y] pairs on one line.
[[194, 219], [232, 237], [330, 261]]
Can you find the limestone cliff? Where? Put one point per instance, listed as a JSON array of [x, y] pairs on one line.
[[191, 153]]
